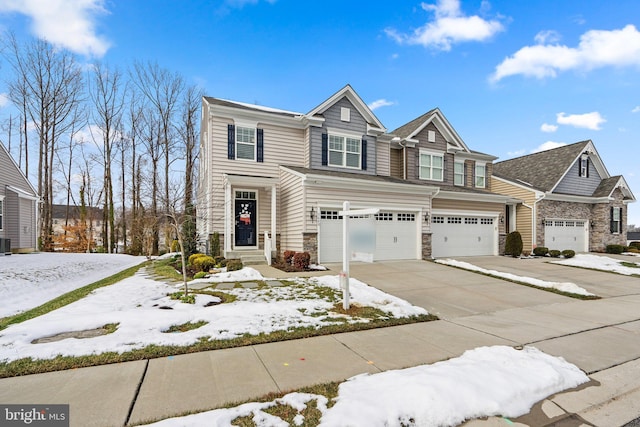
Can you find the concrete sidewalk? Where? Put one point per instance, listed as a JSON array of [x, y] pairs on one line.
[[601, 337]]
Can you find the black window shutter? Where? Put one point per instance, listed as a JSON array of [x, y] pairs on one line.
[[612, 223], [231, 142], [260, 145], [364, 155], [417, 164], [580, 167], [325, 149]]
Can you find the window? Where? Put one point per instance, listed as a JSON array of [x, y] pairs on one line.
[[583, 170], [458, 173], [481, 173], [406, 217], [438, 220], [329, 215], [247, 195], [245, 143], [616, 220], [486, 221], [384, 216], [471, 221], [1, 213], [454, 220], [344, 151], [431, 166]]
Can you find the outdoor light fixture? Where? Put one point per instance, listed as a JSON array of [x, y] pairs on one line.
[[593, 223], [426, 217], [312, 214], [543, 221], [501, 219]]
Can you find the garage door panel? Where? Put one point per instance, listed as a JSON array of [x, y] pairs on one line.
[[459, 235], [566, 234]]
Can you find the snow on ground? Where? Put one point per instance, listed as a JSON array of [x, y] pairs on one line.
[[29, 280], [135, 305], [561, 286], [486, 381], [599, 262]]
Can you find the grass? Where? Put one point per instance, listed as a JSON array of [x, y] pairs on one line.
[[629, 264], [68, 298], [185, 327]]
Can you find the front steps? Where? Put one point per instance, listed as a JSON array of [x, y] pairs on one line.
[[248, 257]]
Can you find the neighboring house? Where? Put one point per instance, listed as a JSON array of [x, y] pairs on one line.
[[568, 198], [633, 236], [18, 207], [63, 215], [275, 177]]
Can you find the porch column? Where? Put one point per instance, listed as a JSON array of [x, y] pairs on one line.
[[273, 214], [228, 219]]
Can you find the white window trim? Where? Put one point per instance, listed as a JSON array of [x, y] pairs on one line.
[[455, 174], [584, 166], [255, 142], [432, 154], [344, 135], [476, 176], [618, 221]]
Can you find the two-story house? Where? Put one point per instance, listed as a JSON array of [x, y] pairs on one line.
[[278, 178], [18, 207], [568, 199]]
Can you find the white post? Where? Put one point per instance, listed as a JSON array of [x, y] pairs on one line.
[[344, 276]]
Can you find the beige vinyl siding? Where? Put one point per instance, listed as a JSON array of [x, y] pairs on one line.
[[292, 211], [524, 212], [396, 163], [383, 158], [307, 148], [281, 146]]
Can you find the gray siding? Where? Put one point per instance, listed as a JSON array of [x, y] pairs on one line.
[[572, 183], [356, 125], [439, 146]]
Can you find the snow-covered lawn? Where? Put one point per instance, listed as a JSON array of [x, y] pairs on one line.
[[29, 280], [143, 311], [600, 262], [486, 381], [561, 286]]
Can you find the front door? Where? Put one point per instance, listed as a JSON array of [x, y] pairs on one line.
[[245, 214]]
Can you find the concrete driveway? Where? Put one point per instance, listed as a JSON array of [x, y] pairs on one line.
[[449, 292], [600, 283]]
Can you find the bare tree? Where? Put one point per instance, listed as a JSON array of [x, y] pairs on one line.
[[52, 83]]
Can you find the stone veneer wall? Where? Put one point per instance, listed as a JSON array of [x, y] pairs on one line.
[[426, 246], [561, 210], [310, 244]]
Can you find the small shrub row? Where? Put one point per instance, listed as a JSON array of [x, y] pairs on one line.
[[293, 261], [234, 264], [554, 253]]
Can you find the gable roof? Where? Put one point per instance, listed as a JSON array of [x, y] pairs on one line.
[[357, 102], [541, 171], [29, 187], [608, 185], [435, 116], [251, 107]]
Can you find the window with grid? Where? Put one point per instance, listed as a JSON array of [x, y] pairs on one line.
[[344, 151], [486, 221], [406, 217], [330, 215], [245, 143], [616, 220], [454, 220], [431, 166], [481, 174], [438, 220], [458, 173], [471, 220], [384, 216]]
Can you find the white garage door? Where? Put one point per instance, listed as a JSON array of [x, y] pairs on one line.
[[460, 235], [396, 236], [566, 234]]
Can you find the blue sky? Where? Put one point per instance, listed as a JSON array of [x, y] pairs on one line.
[[512, 77]]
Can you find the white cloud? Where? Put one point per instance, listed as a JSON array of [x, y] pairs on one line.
[[548, 146], [450, 26], [380, 103], [67, 23], [4, 99], [591, 120], [547, 36], [546, 127], [517, 153], [636, 110], [597, 49]]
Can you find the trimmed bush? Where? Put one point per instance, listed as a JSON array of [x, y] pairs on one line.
[[568, 253], [635, 245], [615, 249], [234, 264], [193, 257], [554, 253], [288, 256], [219, 260], [513, 244], [203, 263], [540, 251], [301, 260]]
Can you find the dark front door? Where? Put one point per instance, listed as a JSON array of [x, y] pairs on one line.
[[245, 214]]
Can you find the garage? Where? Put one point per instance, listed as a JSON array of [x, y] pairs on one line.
[[463, 235], [396, 235], [564, 234]]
